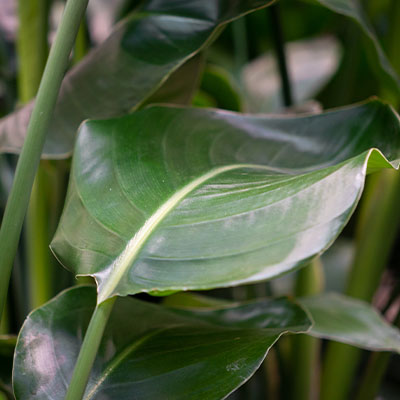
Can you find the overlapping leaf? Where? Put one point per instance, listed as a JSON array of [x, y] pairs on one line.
[[196, 355], [334, 316], [129, 67], [350, 321], [176, 199]]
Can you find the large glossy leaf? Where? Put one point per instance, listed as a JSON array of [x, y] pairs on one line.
[[177, 199], [147, 351], [350, 321], [124, 71], [353, 9]]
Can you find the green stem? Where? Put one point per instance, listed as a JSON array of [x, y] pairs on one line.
[[305, 349], [374, 372], [32, 55], [89, 350], [28, 162], [378, 226], [37, 242], [279, 45], [31, 45], [81, 43], [4, 323]]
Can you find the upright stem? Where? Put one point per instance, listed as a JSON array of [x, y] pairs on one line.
[[32, 46], [32, 54], [279, 45], [36, 134], [305, 349], [375, 371], [89, 350]]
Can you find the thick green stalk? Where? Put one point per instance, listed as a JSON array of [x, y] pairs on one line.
[[89, 350], [28, 162], [4, 323], [81, 43], [32, 46], [305, 349], [378, 226], [375, 371], [32, 55]]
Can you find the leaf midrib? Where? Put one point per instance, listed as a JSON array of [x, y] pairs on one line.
[[134, 245]]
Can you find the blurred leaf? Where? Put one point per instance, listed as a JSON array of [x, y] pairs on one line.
[[131, 65], [180, 199], [185, 354], [351, 321], [311, 64], [378, 59], [217, 83]]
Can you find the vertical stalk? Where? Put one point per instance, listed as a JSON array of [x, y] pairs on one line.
[[377, 229], [305, 349], [81, 43], [279, 44], [380, 218], [28, 162], [32, 49], [89, 350]]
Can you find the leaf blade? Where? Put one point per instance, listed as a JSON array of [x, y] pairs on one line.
[[172, 200], [128, 68], [216, 351]]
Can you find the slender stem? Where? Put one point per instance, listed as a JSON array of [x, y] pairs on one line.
[[36, 134], [378, 227], [89, 350], [279, 45], [32, 55], [305, 349]]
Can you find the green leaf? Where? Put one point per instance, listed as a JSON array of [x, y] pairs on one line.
[[7, 345], [354, 10], [352, 321], [335, 316], [129, 67], [179, 199], [147, 351]]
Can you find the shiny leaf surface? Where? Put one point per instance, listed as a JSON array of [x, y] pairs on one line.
[[148, 351], [124, 71], [350, 321], [178, 199]]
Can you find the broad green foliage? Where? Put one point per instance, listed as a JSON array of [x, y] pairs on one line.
[[177, 199], [149, 351], [124, 71], [350, 321], [353, 9]]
